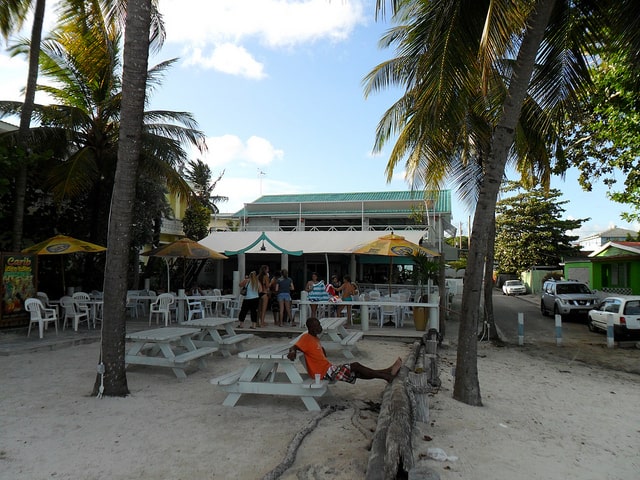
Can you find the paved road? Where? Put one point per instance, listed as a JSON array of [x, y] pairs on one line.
[[578, 343], [537, 328]]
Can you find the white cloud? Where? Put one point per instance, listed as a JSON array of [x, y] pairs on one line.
[[241, 190], [224, 24], [275, 23], [228, 58], [229, 149]]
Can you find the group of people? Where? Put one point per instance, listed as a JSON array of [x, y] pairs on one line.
[[317, 291], [260, 292]]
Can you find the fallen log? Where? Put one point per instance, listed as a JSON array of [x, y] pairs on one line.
[[391, 447]]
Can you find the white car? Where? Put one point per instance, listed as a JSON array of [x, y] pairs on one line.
[[625, 312], [514, 287]]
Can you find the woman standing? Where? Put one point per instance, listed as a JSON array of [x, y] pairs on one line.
[[346, 291], [284, 288], [263, 280], [251, 300]]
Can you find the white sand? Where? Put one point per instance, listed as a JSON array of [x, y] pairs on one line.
[[541, 419]]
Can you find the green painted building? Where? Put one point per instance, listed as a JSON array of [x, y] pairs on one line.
[[613, 268]]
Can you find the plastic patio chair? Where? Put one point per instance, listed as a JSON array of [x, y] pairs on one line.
[[41, 315], [71, 312], [162, 307]]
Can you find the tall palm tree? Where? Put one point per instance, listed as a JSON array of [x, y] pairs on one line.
[[130, 148], [199, 174], [12, 16], [452, 51], [82, 58]]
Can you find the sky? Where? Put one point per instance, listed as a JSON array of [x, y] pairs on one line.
[[277, 88]]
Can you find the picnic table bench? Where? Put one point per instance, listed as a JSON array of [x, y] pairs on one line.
[[156, 348], [270, 372], [335, 337], [210, 335]]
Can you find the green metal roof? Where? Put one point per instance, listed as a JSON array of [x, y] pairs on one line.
[[378, 202]]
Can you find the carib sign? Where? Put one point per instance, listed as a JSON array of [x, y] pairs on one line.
[[17, 285]]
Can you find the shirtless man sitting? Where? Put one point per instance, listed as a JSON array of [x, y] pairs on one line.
[[317, 362]]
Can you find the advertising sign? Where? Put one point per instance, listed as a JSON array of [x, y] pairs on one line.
[[18, 284]]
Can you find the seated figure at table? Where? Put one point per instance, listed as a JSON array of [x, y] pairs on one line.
[[317, 362]]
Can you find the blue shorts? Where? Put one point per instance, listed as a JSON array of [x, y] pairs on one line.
[[284, 297]]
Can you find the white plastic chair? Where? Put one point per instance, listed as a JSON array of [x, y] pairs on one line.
[[389, 311], [133, 304], [72, 313], [195, 308], [44, 298], [40, 315], [162, 307], [81, 299]]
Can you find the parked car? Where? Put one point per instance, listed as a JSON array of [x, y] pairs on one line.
[[514, 287], [625, 312], [567, 298]]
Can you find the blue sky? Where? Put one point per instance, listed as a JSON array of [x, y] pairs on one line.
[[276, 86]]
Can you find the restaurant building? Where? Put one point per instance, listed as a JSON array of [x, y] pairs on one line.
[[307, 233]]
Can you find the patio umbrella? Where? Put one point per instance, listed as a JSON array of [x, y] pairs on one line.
[[392, 245], [62, 245], [184, 248]]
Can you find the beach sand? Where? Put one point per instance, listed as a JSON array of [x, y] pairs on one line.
[[542, 418]]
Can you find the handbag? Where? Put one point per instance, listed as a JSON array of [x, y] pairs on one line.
[[243, 291]]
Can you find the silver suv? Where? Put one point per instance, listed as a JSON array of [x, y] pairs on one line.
[[566, 297]]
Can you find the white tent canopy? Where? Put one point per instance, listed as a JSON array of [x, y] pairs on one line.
[[307, 242]]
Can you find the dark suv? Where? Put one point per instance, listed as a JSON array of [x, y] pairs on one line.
[[566, 297]]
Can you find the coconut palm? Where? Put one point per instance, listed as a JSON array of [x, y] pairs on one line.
[[199, 174], [450, 52], [12, 16], [130, 150], [82, 58]]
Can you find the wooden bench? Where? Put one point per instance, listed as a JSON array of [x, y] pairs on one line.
[[237, 338], [351, 338], [186, 357], [228, 378]]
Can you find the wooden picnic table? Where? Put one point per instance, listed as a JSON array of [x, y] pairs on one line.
[[156, 348], [339, 337], [210, 334], [270, 372]]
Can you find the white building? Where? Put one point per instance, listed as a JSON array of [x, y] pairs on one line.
[[594, 242]]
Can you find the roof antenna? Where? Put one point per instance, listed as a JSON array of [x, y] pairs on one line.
[[260, 175]]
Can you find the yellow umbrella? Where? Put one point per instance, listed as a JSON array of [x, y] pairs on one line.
[[62, 245], [184, 248], [393, 245]]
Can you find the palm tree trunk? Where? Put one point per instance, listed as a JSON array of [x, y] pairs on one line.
[[25, 125], [136, 53], [466, 387], [489, 329]]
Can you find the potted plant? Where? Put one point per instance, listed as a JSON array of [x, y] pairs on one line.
[[425, 269]]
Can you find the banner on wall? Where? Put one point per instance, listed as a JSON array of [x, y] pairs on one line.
[[18, 283]]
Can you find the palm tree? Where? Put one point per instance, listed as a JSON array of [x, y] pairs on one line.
[[452, 51], [12, 16], [199, 174], [82, 57], [130, 148]]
